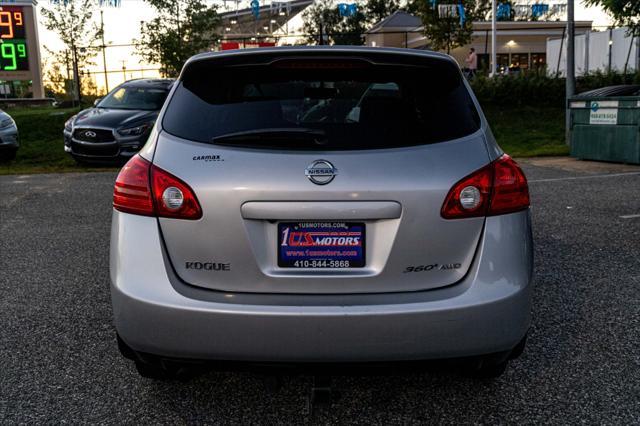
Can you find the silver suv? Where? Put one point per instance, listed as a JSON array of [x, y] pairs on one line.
[[320, 205]]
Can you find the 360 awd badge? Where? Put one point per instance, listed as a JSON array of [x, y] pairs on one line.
[[433, 267]]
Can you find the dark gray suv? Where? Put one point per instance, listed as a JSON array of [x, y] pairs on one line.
[[8, 137], [118, 125]]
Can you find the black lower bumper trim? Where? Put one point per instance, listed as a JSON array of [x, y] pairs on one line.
[[316, 368]]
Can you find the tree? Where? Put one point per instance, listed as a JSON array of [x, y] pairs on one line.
[[322, 21], [443, 25], [181, 29], [377, 10], [54, 77], [625, 13], [90, 86], [72, 22], [57, 74]]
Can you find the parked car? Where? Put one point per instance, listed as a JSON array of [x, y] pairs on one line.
[[612, 91], [321, 205], [118, 125], [8, 137]]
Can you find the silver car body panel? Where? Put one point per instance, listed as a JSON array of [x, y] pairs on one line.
[[487, 311], [417, 179]]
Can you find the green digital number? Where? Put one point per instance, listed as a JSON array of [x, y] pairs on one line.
[[22, 50], [8, 51]]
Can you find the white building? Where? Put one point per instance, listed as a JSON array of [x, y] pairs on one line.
[[520, 44], [610, 50]]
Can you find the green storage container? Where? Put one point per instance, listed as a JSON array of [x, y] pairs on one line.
[[606, 128]]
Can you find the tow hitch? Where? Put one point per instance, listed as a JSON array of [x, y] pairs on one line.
[[322, 395]]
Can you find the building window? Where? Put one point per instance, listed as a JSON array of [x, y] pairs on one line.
[[538, 60], [502, 59], [513, 62], [519, 61]]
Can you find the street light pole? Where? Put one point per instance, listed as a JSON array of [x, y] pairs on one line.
[[494, 29], [571, 67]]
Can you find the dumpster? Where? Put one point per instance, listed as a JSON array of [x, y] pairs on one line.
[[605, 125]]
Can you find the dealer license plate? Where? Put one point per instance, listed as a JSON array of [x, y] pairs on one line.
[[318, 245]]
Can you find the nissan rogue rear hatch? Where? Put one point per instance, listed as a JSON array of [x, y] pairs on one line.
[[321, 171]]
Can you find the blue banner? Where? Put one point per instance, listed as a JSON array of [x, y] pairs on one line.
[[255, 8], [504, 11], [347, 9], [537, 10], [461, 14]]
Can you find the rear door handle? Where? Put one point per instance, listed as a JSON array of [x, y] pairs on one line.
[[321, 210]]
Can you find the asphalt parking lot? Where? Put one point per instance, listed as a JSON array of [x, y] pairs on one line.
[[59, 361]]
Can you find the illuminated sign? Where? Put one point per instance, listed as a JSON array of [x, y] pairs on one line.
[[13, 40]]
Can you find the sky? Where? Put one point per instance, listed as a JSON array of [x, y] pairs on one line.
[[122, 26]]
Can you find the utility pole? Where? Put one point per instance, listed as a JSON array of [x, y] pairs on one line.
[[76, 72], [494, 30], [610, 47], [104, 54], [178, 26], [68, 68], [571, 66]]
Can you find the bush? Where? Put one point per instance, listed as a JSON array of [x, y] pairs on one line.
[[539, 89], [522, 89]]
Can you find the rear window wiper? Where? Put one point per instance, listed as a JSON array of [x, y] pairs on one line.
[[282, 133]]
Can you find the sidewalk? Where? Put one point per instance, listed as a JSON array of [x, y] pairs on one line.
[[573, 165]]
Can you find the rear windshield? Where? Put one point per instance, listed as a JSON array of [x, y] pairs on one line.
[[326, 109]]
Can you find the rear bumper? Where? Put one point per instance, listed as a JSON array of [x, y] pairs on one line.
[[6, 147], [487, 312]]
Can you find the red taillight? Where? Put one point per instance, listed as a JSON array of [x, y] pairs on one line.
[[481, 179], [145, 189], [497, 188], [165, 188], [131, 193], [510, 189]]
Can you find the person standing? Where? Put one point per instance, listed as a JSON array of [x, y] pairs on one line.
[[472, 62]]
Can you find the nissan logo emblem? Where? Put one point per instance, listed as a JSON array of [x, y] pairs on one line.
[[90, 134], [321, 172]]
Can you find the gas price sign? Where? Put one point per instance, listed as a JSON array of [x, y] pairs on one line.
[[13, 42]]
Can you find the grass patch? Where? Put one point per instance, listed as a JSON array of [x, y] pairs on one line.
[[527, 131], [521, 131], [41, 143]]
